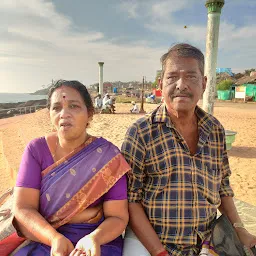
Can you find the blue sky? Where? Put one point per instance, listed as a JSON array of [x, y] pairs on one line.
[[41, 40]]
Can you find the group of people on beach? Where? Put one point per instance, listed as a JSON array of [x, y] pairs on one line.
[[105, 105], [76, 194]]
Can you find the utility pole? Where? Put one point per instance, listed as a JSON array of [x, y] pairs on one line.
[[214, 10], [145, 82], [142, 98]]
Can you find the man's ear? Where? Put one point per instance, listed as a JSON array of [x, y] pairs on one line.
[[204, 83], [161, 84]]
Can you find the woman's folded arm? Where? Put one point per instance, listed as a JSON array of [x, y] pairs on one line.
[[116, 220], [30, 223]]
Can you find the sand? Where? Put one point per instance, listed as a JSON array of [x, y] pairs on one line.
[[16, 132]]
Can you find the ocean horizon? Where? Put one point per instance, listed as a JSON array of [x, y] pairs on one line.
[[19, 97]]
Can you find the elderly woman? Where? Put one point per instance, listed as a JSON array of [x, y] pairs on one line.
[[70, 195]]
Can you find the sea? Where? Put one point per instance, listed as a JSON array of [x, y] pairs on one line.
[[19, 97]]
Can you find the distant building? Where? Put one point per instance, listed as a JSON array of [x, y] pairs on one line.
[[246, 80]]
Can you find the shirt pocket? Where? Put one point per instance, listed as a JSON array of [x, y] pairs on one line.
[[159, 161], [155, 186], [156, 181], [209, 182], [158, 169]]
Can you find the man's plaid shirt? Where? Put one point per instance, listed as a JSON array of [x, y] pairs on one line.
[[180, 192]]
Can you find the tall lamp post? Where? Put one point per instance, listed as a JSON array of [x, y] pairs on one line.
[[214, 10], [100, 77]]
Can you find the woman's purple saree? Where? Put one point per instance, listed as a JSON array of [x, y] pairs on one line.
[[71, 185]]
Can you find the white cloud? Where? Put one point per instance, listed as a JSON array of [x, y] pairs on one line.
[[34, 9], [236, 43], [193, 33], [160, 17], [162, 10], [130, 7], [237, 39], [250, 3], [37, 49], [39, 44]]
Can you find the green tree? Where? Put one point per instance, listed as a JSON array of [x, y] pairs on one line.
[[158, 75], [224, 85], [248, 71], [154, 85]]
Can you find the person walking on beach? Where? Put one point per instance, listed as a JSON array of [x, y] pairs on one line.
[[71, 191], [180, 169]]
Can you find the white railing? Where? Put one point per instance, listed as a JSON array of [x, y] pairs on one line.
[[23, 110]]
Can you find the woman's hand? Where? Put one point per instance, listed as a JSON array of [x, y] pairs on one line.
[[87, 246], [61, 246]]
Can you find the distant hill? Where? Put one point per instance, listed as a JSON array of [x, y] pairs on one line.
[[41, 92], [117, 84]]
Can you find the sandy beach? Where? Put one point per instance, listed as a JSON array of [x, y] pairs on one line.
[[16, 132]]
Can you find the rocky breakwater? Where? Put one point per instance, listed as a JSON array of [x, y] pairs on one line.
[[19, 108]]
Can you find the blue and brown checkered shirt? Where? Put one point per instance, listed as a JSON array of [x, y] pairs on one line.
[[180, 192]]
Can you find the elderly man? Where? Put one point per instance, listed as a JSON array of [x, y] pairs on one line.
[[98, 102], [108, 104], [135, 109], [180, 169]]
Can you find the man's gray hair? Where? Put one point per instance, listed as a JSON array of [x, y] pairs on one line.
[[186, 51]]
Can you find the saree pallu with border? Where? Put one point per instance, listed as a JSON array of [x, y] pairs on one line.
[[71, 185]]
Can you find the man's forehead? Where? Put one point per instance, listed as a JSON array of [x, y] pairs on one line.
[[181, 67], [177, 70], [182, 61]]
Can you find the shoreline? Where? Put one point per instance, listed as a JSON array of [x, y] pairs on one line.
[[13, 109]]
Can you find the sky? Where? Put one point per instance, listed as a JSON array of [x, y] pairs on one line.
[[41, 40]]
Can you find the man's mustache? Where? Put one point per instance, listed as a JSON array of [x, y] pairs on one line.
[[172, 96]]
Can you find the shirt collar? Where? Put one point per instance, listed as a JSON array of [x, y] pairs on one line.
[[162, 116], [205, 120]]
